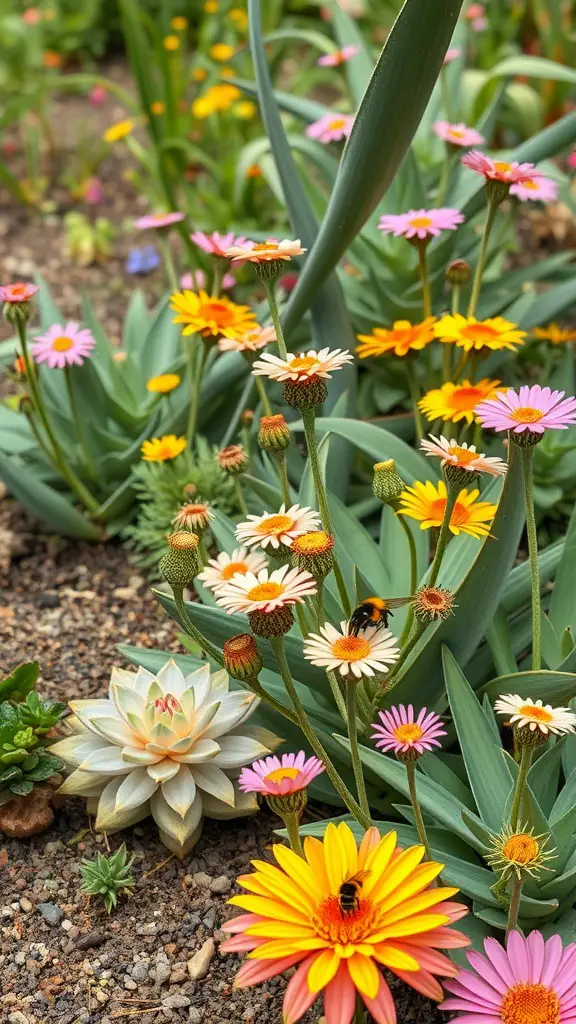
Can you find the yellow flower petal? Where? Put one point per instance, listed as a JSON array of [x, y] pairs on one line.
[[334, 858], [417, 881], [267, 907], [282, 888], [295, 867], [394, 958], [349, 848], [364, 974], [280, 930], [314, 853], [323, 970], [413, 925], [377, 862], [280, 947]]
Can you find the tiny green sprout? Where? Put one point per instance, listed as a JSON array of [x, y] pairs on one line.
[[108, 876]]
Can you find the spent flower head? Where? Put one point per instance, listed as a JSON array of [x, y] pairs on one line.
[[520, 852]]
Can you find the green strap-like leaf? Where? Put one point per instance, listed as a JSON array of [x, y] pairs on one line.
[[551, 687], [49, 505], [563, 600]]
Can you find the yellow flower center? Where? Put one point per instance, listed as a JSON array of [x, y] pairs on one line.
[[502, 167], [275, 525], [62, 343], [479, 332], [265, 247], [464, 398], [526, 414], [538, 714], [521, 849], [303, 363], [409, 733], [464, 456], [232, 568], [283, 773], [219, 312], [351, 648], [265, 592], [530, 183], [337, 123], [456, 133], [334, 927], [312, 543], [527, 1003], [421, 222]]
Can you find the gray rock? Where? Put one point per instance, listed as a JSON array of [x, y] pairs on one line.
[[221, 884], [140, 972], [91, 940], [210, 920], [199, 964], [176, 1001], [202, 879], [51, 913], [147, 929], [161, 973]]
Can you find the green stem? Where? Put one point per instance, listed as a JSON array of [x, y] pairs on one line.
[[413, 576], [292, 823], [81, 436], [415, 397], [387, 684], [424, 277], [527, 455], [490, 216], [447, 362], [214, 652], [270, 285], [169, 267], [301, 616], [219, 267], [337, 694], [354, 751], [514, 907], [240, 496], [202, 550], [284, 482], [196, 369], [455, 305], [524, 768], [263, 396], [444, 535], [277, 645], [418, 819]]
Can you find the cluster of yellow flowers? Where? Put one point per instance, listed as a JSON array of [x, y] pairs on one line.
[[216, 99]]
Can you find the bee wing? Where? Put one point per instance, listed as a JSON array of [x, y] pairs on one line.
[[360, 876], [396, 602]]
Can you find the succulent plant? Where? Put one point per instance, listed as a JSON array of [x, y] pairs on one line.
[[23, 760], [20, 682], [168, 745], [40, 715], [108, 877]]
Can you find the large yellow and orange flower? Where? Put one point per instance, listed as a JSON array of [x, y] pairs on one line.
[[400, 339], [427, 502], [455, 402], [556, 334], [294, 917], [211, 316], [471, 334]]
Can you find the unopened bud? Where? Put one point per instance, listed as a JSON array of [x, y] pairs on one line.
[[274, 434], [241, 657], [305, 394], [458, 272], [432, 603], [233, 459], [387, 483], [247, 417], [181, 564]]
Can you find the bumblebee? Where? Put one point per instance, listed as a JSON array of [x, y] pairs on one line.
[[374, 611], [349, 893]]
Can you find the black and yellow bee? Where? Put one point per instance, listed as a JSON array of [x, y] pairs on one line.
[[374, 611], [349, 893]]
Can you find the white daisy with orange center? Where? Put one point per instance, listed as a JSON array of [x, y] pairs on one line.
[[300, 367], [265, 591], [252, 341], [221, 569], [263, 252], [527, 713], [276, 528], [194, 515], [463, 456], [374, 650]]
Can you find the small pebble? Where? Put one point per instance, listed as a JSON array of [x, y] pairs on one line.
[[51, 913], [199, 964], [91, 940], [221, 884], [147, 929], [176, 1001]]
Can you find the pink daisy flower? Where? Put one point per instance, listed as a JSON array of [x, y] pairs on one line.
[[196, 281], [63, 346], [532, 980], [333, 60], [537, 188], [19, 292], [400, 731], [498, 170], [532, 408], [421, 224], [452, 54], [331, 128], [457, 134], [474, 11], [158, 220], [216, 244], [572, 160], [273, 776]]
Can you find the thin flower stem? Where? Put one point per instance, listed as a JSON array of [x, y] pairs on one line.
[[240, 496], [460, 366], [169, 267], [527, 455], [514, 907], [413, 577], [284, 482], [415, 397], [477, 284], [202, 550], [29, 414], [277, 645], [444, 535], [78, 423], [219, 266], [270, 285], [446, 362], [425, 278], [455, 305], [301, 616], [196, 370], [354, 751], [418, 819], [263, 396], [521, 781], [292, 823], [337, 694]]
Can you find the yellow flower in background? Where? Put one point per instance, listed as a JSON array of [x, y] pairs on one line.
[[179, 23], [426, 502], [245, 110], [254, 171], [162, 384], [199, 74], [49, 14], [471, 334], [455, 402], [158, 107], [221, 52], [554, 333], [216, 98], [211, 315], [171, 43], [400, 339], [201, 108], [210, 7], [161, 449], [118, 131], [239, 17], [227, 72]]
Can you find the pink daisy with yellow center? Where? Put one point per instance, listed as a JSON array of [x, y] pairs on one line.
[[338, 57], [19, 292], [421, 224], [331, 128], [399, 730], [62, 346], [532, 408], [215, 243], [457, 134], [158, 220], [539, 188], [274, 776], [498, 170]]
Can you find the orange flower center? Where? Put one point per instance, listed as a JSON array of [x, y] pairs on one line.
[[430, 597], [538, 714], [275, 525], [18, 291], [409, 733], [313, 543], [232, 568], [502, 167], [335, 927], [456, 133], [521, 849], [194, 510], [464, 456], [219, 312], [283, 773], [265, 247], [465, 398], [265, 592], [165, 451], [530, 183], [62, 344], [479, 332], [336, 124], [459, 512], [351, 648], [421, 222], [530, 1004], [526, 414], [303, 363]]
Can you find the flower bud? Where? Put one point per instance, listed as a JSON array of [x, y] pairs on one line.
[[16, 298], [458, 272], [247, 417], [241, 657], [233, 459], [288, 803], [269, 270], [271, 624], [496, 191], [525, 439], [432, 603], [181, 564], [387, 483], [457, 476], [312, 552], [274, 434], [305, 394]]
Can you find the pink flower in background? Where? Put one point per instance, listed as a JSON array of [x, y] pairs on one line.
[[572, 160], [537, 188], [532, 408], [22, 291], [457, 134], [32, 16], [273, 776], [400, 731], [474, 11], [333, 60], [63, 346], [196, 281], [331, 128], [479, 24], [216, 244], [93, 191], [98, 95], [158, 220], [421, 223], [452, 54], [498, 170]]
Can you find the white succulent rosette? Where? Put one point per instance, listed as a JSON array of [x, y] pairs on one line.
[[168, 745]]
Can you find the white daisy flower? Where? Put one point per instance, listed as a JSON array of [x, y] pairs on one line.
[[265, 591], [194, 515], [222, 568], [252, 341], [525, 712], [301, 366], [276, 528], [372, 651], [463, 456], [263, 252]]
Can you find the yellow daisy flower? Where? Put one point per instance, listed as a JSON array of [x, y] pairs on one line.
[[554, 333], [245, 110], [211, 6], [161, 449], [164, 383], [158, 107], [400, 339], [469, 333], [426, 503], [199, 74], [211, 316], [221, 52], [118, 131], [239, 17], [171, 43], [179, 23], [455, 402]]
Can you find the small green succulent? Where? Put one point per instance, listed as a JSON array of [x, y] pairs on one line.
[[23, 760], [108, 876], [18, 779], [41, 715]]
